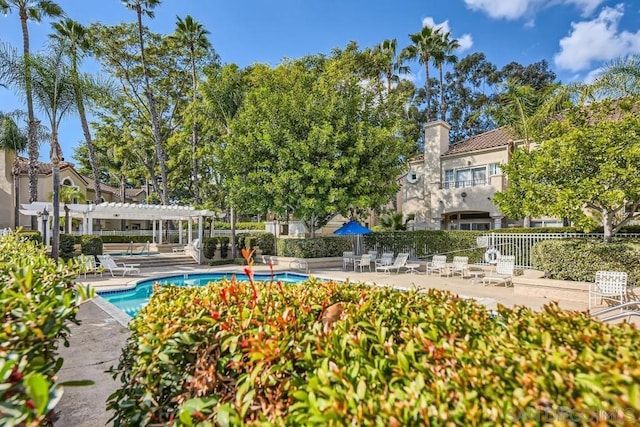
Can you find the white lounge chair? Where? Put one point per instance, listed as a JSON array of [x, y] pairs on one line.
[[363, 262], [88, 265], [459, 266], [347, 259], [437, 265], [503, 273], [385, 259], [108, 263], [400, 262], [374, 255], [609, 285]]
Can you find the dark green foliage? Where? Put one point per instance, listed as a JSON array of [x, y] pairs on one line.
[[258, 226], [579, 259], [525, 230], [33, 236], [266, 241], [318, 247], [261, 356], [126, 239], [91, 245], [209, 245], [37, 304], [224, 246], [67, 243], [427, 243]]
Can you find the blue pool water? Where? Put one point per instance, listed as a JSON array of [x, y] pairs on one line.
[[132, 300]]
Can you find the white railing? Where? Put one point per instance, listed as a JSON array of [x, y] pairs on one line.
[[520, 245]]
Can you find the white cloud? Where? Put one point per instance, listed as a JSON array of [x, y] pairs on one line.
[[515, 9], [466, 41], [596, 40]]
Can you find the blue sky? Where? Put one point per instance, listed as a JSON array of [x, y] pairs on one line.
[[576, 37]]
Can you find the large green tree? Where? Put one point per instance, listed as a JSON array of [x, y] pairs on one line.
[[587, 168], [75, 37], [145, 7], [311, 139], [35, 11], [192, 35]]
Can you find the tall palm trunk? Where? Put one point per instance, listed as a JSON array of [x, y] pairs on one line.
[[15, 172], [194, 133], [55, 174], [427, 86], [155, 121], [32, 164], [443, 108]]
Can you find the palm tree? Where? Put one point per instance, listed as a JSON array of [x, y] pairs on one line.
[[620, 78], [53, 91], [393, 64], [75, 37], [146, 7], [69, 195], [30, 10], [442, 55], [193, 35], [13, 139], [422, 48]]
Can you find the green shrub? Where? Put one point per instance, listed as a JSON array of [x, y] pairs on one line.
[[91, 245], [126, 239], [259, 354], [318, 247], [579, 259], [224, 246], [209, 245], [427, 243], [33, 236], [259, 226], [266, 241], [37, 304], [529, 230], [66, 246]]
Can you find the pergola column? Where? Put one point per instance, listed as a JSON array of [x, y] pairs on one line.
[[160, 231], [200, 236], [180, 232], [153, 231]]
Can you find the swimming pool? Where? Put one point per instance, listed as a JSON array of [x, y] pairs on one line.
[[132, 300]]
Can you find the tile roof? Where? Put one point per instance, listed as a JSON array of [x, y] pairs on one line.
[[42, 168], [491, 139]]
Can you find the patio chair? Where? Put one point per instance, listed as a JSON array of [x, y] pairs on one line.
[[503, 273], [347, 258], [437, 265], [400, 262], [107, 262], [385, 259], [374, 255], [610, 286], [363, 262], [459, 266], [88, 265]]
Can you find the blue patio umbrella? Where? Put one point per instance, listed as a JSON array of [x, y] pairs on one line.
[[353, 228]]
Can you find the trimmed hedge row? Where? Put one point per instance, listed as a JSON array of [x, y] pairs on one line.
[[579, 259], [258, 226], [37, 304], [266, 241], [522, 230], [268, 354], [427, 243], [318, 247]]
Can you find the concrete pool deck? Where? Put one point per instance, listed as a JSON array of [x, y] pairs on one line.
[[96, 344]]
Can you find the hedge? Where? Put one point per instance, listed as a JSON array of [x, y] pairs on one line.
[[91, 245], [268, 354], [66, 246], [266, 241], [258, 226], [427, 243], [579, 259], [37, 304], [209, 245], [318, 247], [126, 239]]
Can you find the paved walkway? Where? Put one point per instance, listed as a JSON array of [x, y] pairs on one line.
[[96, 344]]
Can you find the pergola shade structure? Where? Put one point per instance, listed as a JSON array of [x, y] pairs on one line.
[[125, 211]]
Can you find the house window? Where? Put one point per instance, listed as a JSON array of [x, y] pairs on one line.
[[448, 178], [494, 169]]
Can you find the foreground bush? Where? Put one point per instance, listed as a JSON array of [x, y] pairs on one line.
[[579, 259], [260, 354], [37, 304]]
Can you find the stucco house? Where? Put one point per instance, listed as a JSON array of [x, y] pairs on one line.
[[16, 192], [451, 186]]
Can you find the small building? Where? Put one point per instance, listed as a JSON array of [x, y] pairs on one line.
[[451, 186]]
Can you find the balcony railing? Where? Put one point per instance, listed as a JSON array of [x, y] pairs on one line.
[[464, 184]]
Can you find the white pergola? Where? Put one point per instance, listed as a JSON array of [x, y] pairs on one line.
[[124, 211]]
